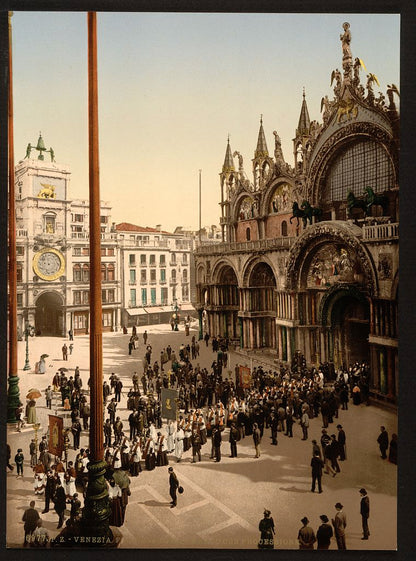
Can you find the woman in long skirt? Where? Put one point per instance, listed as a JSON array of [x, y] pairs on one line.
[[136, 456], [114, 493], [266, 527]]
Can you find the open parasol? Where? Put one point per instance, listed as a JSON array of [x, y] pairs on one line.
[[43, 356], [63, 369], [33, 393]]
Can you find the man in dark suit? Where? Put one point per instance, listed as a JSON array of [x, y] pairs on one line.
[[341, 443], [216, 440], [60, 502], [173, 486], [383, 442], [49, 490], [30, 518], [316, 464], [324, 533], [340, 523], [365, 512]]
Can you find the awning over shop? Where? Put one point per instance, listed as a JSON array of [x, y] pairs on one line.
[[154, 310], [136, 311]]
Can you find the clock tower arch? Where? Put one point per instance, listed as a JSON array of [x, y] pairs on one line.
[[49, 314]]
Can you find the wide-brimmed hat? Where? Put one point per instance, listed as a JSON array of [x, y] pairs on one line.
[[324, 518], [339, 505], [304, 520]]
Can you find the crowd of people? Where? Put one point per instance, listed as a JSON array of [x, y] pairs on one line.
[[209, 402]]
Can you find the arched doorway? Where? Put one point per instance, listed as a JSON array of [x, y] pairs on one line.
[[260, 302], [49, 315], [346, 312]]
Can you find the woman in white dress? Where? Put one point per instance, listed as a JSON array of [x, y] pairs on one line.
[[179, 443], [170, 435], [40, 479], [70, 477]]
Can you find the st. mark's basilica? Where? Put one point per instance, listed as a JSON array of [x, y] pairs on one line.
[[308, 264]]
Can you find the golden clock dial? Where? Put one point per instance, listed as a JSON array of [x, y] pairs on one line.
[[49, 264]]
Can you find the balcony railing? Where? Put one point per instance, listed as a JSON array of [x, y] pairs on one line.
[[380, 232], [21, 233], [173, 280], [254, 245]]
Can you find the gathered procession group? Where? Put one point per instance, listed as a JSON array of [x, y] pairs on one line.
[[211, 409]]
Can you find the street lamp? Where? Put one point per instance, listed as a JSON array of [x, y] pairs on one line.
[[29, 332], [175, 315]]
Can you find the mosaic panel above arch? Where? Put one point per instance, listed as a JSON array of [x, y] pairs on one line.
[[281, 199], [333, 264], [246, 209]]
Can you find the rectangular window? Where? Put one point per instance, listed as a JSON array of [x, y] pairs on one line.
[[19, 273], [144, 296], [103, 219], [110, 295], [107, 319], [103, 252], [143, 277], [142, 259], [110, 273], [85, 251], [162, 261], [110, 251], [164, 296], [77, 275], [133, 297], [86, 297], [77, 297], [132, 275], [132, 259], [20, 300], [153, 295], [20, 250], [162, 275], [80, 321], [104, 296], [152, 260], [152, 275], [76, 251]]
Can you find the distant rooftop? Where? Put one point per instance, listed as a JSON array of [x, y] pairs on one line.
[[127, 227]]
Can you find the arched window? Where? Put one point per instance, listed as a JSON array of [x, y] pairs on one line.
[[103, 272], [110, 272], [85, 273], [284, 228], [77, 272], [362, 164], [49, 222], [248, 234]]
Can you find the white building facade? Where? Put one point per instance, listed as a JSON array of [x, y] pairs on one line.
[[155, 274]]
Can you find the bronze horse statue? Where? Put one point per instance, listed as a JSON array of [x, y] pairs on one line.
[[311, 211], [372, 199], [298, 213], [353, 202]]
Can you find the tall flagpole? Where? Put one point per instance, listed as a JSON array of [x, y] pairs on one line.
[[13, 395], [96, 511], [200, 224]]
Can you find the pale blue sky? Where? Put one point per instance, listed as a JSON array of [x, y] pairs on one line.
[[171, 89]]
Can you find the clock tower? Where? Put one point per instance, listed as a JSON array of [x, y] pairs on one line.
[[53, 249]]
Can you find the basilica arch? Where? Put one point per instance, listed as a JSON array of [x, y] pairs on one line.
[[49, 316]]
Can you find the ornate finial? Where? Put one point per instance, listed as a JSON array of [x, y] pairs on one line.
[[261, 118], [303, 92], [346, 51]]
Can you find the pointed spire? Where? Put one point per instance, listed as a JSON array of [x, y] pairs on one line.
[[228, 160], [261, 150], [304, 120]]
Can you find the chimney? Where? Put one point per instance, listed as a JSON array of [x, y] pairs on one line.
[[159, 227]]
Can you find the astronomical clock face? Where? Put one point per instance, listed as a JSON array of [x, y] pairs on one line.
[[49, 264]]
